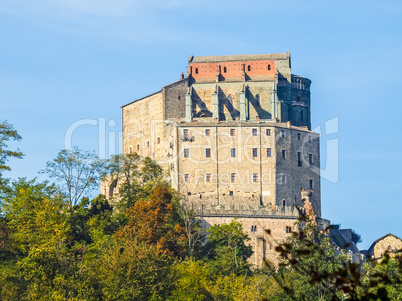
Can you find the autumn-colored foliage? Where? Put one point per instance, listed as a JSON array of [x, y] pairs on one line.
[[157, 223]]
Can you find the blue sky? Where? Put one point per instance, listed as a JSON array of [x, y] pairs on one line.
[[70, 60]]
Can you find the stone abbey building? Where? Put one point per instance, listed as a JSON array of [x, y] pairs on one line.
[[234, 136]]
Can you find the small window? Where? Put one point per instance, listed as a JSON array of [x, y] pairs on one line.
[[254, 153], [283, 154], [224, 69], [138, 147], [288, 229], [232, 132], [283, 133], [207, 132], [298, 136], [268, 152], [389, 248], [158, 140], [208, 177], [208, 153], [310, 184], [233, 152], [254, 132], [268, 231], [257, 98], [268, 132], [196, 70], [255, 177], [186, 153], [186, 178], [232, 177], [310, 158], [185, 134], [299, 161], [284, 203], [298, 99], [231, 193], [248, 68], [269, 67], [283, 179]]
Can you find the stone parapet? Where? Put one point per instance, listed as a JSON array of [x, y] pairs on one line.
[[248, 211]]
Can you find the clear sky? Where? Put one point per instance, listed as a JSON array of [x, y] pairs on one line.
[[71, 61]]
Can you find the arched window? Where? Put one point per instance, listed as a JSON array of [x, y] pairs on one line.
[[112, 188], [248, 68], [224, 69], [283, 203], [389, 248], [196, 70], [269, 67]]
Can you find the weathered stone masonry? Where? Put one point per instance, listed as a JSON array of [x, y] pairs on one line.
[[234, 136]]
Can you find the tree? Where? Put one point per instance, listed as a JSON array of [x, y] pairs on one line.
[[196, 234], [136, 177], [7, 133], [227, 249], [156, 222], [78, 172]]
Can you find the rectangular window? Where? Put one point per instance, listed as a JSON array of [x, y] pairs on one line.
[[298, 136], [255, 177], [283, 133], [233, 152], [185, 134], [186, 178], [158, 140], [254, 152], [231, 193], [138, 147], [310, 184], [310, 158], [283, 203], [207, 132], [283, 154], [268, 152], [232, 132], [208, 177], [299, 161], [282, 179], [232, 177], [186, 153], [268, 132], [208, 153], [254, 131]]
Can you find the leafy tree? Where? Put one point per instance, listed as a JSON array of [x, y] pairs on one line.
[[39, 233], [227, 249], [136, 176], [134, 270], [77, 171], [156, 222], [7, 133]]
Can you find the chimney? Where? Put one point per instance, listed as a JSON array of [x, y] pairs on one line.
[[258, 118], [182, 75]]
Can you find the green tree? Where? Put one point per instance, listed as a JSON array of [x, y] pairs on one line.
[[77, 171], [7, 133], [136, 177], [227, 249]]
